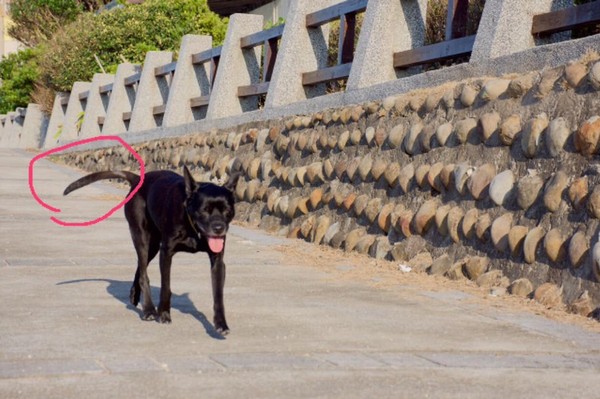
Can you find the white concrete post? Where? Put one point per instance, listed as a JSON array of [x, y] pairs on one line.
[[151, 92], [389, 26], [121, 100], [301, 50], [237, 67], [188, 82], [96, 105], [34, 127], [74, 113], [505, 26], [57, 120]]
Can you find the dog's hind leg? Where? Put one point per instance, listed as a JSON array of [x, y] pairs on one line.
[[217, 270], [164, 306], [134, 294]]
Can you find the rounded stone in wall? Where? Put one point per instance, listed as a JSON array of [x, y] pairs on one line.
[[468, 95], [360, 204], [461, 174], [594, 76], [588, 136], [521, 287], [594, 202], [441, 219], [578, 191], [469, 221], [510, 129], [519, 86], [426, 138], [411, 141], [482, 227], [596, 260], [490, 123], [406, 176], [433, 176], [352, 167], [480, 180], [352, 238], [392, 173], [494, 88], [404, 222], [499, 231], [465, 130], [396, 136], [532, 133], [425, 216], [516, 239], [500, 187], [343, 139], [421, 175], [446, 175], [555, 245], [448, 99], [554, 189], [372, 209], [575, 74], [549, 295], [531, 243], [528, 190], [443, 134], [453, 221], [364, 167], [355, 136], [378, 169], [558, 134], [384, 219], [578, 249], [475, 266]]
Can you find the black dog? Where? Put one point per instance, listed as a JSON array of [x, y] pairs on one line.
[[172, 213]]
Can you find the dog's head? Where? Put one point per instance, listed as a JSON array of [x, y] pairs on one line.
[[210, 208]]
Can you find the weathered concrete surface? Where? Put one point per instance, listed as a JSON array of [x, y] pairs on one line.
[[67, 330]]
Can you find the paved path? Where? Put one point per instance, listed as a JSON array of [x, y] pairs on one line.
[[67, 330]]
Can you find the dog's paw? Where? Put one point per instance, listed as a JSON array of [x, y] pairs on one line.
[[149, 315], [165, 317], [134, 296], [221, 327]]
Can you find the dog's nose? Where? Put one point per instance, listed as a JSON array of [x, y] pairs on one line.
[[218, 227]]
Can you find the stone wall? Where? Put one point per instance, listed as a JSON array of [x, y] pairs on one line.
[[492, 179]]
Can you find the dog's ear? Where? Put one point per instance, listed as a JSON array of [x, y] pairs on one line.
[[190, 183], [232, 181]]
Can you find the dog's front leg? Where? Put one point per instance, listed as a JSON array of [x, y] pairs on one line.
[[217, 268], [164, 307]]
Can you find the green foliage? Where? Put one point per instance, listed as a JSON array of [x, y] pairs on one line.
[[121, 34], [34, 21], [18, 72]]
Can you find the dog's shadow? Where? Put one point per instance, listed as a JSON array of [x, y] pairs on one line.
[[120, 290]]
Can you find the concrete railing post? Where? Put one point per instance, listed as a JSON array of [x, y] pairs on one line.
[[301, 50], [12, 138], [505, 26], [96, 106], [151, 92], [57, 120], [34, 127], [237, 67], [187, 82], [121, 100], [75, 112], [388, 26]]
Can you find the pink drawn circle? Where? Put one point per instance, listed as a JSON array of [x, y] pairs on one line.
[[75, 144]]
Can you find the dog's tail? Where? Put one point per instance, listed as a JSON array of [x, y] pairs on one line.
[[131, 178]]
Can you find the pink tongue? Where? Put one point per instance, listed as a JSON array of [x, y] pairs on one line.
[[216, 244]]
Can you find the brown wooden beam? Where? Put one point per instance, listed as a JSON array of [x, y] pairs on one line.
[[566, 19], [253, 90], [434, 52], [334, 12], [326, 74], [201, 101], [259, 38]]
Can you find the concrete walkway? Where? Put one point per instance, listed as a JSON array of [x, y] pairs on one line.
[[67, 330]]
